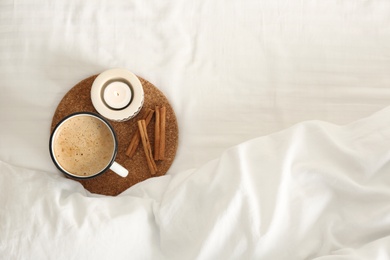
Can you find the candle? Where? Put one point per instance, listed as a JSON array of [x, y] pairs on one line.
[[117, 95]]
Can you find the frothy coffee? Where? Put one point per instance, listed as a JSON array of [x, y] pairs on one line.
[[83, 145]]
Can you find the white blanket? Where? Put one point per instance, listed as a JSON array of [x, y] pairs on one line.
[[233, 70], [314, 191]]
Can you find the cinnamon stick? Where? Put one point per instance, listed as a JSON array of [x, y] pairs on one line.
[[146, 144], [157, 134], [163, 114], [136, 137]]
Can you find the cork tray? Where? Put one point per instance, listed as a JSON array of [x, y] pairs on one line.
[[78, 100]]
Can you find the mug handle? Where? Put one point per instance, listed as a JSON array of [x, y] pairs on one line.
[[119, 169]]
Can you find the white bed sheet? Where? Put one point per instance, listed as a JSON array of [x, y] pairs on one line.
[[232, 70], [314, 191]]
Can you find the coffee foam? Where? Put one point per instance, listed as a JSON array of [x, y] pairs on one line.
[[83, 145]]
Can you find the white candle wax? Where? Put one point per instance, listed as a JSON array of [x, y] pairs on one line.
[[117, 95]]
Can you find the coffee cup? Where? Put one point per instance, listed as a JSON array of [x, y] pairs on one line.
[[84, 145]]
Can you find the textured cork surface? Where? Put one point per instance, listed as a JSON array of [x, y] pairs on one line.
[[78, 100]]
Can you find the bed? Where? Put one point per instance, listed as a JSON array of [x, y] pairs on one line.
[[284, 129]]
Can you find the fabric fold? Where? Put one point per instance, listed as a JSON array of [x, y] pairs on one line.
[[315, 190]]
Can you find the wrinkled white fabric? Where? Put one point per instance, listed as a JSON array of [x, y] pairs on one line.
[[313, 191], [232, 70]]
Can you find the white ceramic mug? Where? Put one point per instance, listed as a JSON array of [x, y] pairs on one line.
[[84, 145]]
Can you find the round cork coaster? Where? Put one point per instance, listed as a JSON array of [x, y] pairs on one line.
[[78, 100]]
